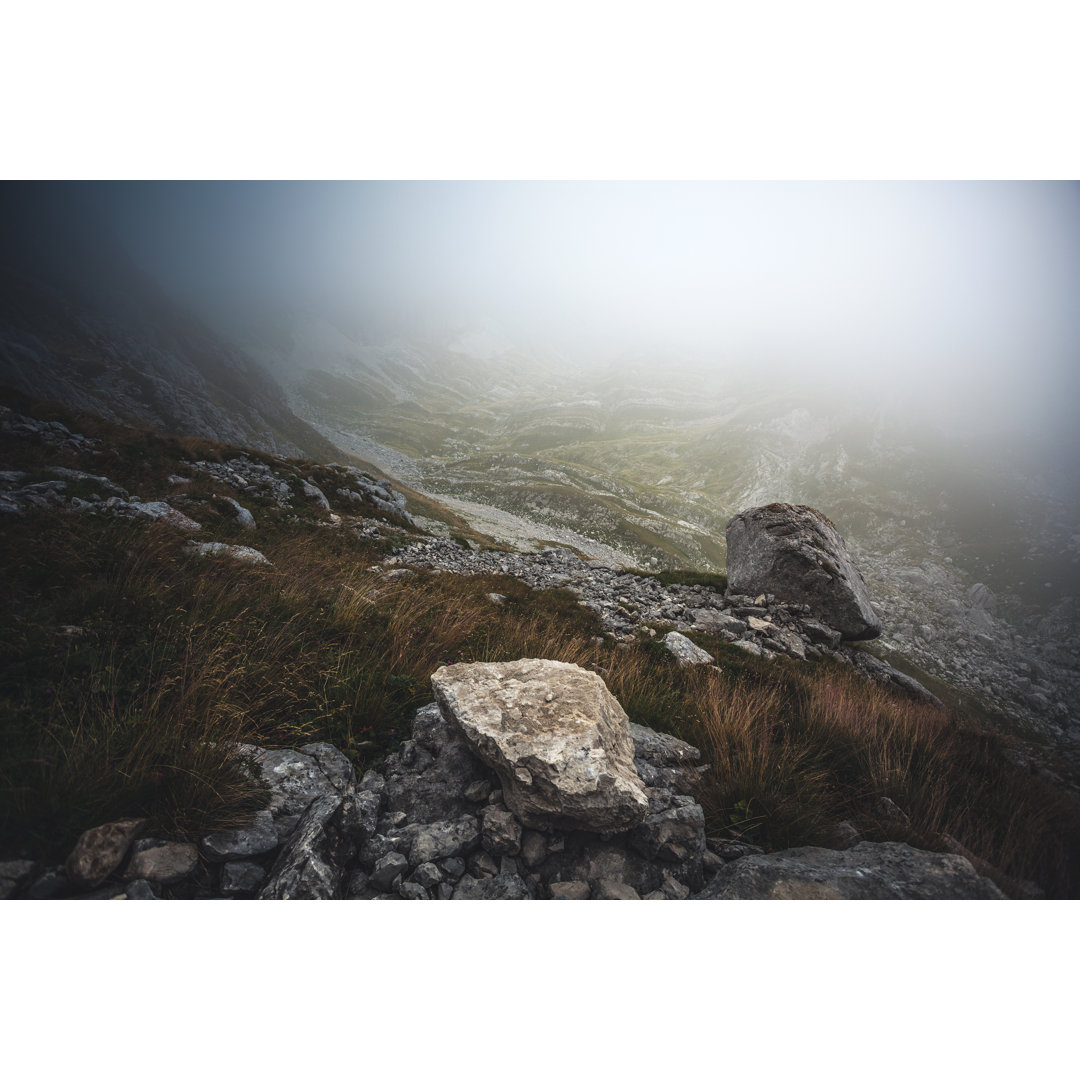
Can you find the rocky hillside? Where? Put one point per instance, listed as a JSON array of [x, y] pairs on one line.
[[228, 673], [79, 323]]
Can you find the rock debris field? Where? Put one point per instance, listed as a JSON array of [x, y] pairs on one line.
[[562, 799]]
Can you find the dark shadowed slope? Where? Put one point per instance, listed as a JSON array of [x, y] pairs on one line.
[[81, 324]]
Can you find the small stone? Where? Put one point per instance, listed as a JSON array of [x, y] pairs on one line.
[[241, 877], [500, 887], [610, 889], [387, 870], [445, 891], [710, 862], [534, 848], [481, 864], [257, 838], [140, 890], [428, 875], [478, 791], [500, 832], [845, 835], [570, 890], [890, 810], [101, 850], [165, 865], [442, 839], [685, 651], [410, 890], [357, 884], [239, 552], [452, 867]]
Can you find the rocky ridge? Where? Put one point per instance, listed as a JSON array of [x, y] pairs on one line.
[[433, 823]]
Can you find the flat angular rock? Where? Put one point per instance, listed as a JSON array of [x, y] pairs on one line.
[[673, 835], [163, 865], [499, 887], [257, 838], [100, 851], [685, 651], [570, 890], [241, 877], [610, 889], [796, 554], [307, 867], [556, 736], [501, 833], [866, 871], [13, 875], [297, 777], [240, 552], [444, 839], [387, 870]]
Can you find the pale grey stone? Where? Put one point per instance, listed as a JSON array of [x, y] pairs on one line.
[[795, 553], [257, 838], [558, 739], [866, 871], [101, 850], [166, 864], [241, 877], [570, 890]]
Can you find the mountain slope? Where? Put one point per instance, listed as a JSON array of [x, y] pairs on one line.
[[79, 323]]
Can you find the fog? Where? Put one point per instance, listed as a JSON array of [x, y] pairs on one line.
[[958, 299]]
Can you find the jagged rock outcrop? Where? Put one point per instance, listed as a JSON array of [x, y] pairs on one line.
[[558, 739], [795, 553], [866, 871]]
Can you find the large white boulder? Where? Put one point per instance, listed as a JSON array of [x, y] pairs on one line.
[[556, 736]]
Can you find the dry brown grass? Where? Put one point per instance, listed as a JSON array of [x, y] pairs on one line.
[[177, 657]]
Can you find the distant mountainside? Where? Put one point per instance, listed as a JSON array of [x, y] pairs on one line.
[[972, 556], [79, 323]]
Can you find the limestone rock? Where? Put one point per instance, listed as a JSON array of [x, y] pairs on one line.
[[501, 834], [499, 887], [100, 851], [795, 553], [256, 839], [165, 864], [314, 494], [241, 877], [556, 736], [308, 867], [243, 515], [233, 551], [297, 777], [685, 651], [609, 889], [444, 840], [570, 890], [866, 871]]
